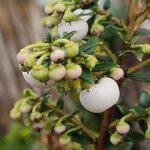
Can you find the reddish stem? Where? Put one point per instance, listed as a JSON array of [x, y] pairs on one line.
[[103, 129]]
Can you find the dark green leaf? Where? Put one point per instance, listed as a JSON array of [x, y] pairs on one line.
[[143, 32], [89, 46], [60, 102], [91, 20], [123, 109], [139, 111], [48, 38], [135, 39], [142, 125], [81, 138], [134, 136], [124, 146], [143, 77], [68, 35], [106, 4], [144, 99], [87, 76], [104, 66]]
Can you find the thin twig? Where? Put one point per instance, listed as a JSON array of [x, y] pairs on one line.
[[138, 66], [103, 130]]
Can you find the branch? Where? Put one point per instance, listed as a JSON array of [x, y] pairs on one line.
[[77, 122], [138, 66], [103, 130]]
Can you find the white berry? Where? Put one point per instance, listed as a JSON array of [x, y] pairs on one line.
[[117, 74], [35, 83], [101, 96], [80, 26], [58, 55]]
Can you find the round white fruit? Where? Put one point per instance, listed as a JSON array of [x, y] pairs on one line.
[[101, 96], [35, 83], [80, 26]]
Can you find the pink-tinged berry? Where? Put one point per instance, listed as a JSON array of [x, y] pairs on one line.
[[73, 71], [58, 55], [22, 57], [117, 74], [59, 128], [57, 72], [115, 138], [123, 127]]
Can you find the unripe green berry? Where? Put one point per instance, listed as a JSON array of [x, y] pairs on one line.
[[57, 72], [147, 134], [96, 29], [123, 127], [30, 62], [69, 16], [71, 49], [49, 9], [115, 138], [40, 73], [73, 71], [91, 61], [64, 139], [60, 7]]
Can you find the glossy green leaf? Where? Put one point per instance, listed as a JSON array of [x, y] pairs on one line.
[[135, 136], [68, 35], [87, 76], [104, 66], [49, 38], [139, 111], [89, 46], [142, 125], [106, 4], [123, 109], [143, 77], [60, 102], [144, 99]]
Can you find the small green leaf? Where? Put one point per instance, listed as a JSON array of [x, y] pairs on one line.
[[143, 32], [134, 136], [81, 138], [67, 35], [106, 4], [89, 46], [143, 77], [123, 109], [60, 102], [144, 99], [48, 38], [87, 76], [139, 111], [104, 66], [142, 125]]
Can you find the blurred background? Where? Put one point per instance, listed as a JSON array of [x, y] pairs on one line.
[[20, 26]]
